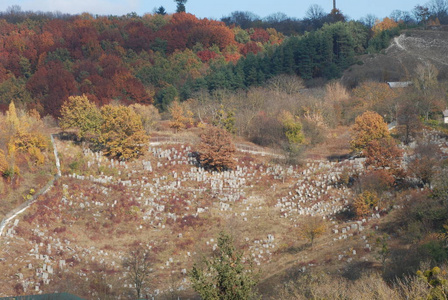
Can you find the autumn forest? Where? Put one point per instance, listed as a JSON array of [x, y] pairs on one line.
[[172, 157]]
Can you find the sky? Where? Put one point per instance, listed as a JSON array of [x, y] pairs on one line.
[[354, 9]]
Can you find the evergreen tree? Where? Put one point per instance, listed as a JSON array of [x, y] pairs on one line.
[[225, 275], [180, 5], [161, 11]]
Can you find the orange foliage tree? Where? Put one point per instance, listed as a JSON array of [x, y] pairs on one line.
[[368, 127], [385, 24], [216, 150]]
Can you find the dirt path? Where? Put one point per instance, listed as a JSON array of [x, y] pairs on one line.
[[24, 206]]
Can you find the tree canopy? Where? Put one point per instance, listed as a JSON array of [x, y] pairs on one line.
[[368, 127]]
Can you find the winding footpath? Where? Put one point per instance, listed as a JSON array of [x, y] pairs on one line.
[[24, 206]]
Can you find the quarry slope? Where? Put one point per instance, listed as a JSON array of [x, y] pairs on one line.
[[399, 61]]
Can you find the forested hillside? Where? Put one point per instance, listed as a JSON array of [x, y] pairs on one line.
[[157, 58]]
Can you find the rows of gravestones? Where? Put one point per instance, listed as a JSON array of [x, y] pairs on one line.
[[84, 202], [226, 186], [41, 261], [262, 250], [318, 192], [355, 232], [435, 137], [146, 185]]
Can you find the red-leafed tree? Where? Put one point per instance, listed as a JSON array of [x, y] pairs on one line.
[[6, 28], [260, 35], [209, 33], [177, 31], [139, 37], [250, 47], [207, 55], [52, 85]]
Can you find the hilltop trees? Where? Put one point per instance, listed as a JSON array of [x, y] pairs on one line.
[[164, 56], [180, 5]]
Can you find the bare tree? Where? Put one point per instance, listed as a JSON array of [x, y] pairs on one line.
[[408, 120], [315, 12], [438, 9], [425, 163], [289, 84], [421, 14], [276, 17], [369, 20], [138, 264], [396, 15]]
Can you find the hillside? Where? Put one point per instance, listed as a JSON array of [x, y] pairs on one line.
[[135, 143], [399, 61], [85, 224]]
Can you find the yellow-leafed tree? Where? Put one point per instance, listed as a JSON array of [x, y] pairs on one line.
[[180, 116], [365, 203], [80, 114], [149, 115], [368, 127], [23, 138], [312, 228], [12, 120], [291, 127], [122, 134], [3, 163]]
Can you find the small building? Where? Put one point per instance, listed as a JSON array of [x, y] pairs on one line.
[[399, 84], [445, 116], [392, 125]]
